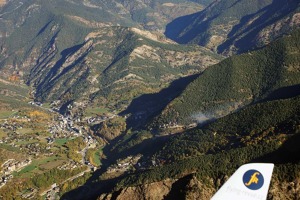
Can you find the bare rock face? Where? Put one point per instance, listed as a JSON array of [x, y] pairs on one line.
[[152, 191], [197, 190], [188, 187], [285, 190]]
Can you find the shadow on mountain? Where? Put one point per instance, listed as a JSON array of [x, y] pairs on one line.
[[175, 28], [147, 106], [94, 187], [248, 30], [44, 28], [180, 31], [91, 191], [289, 152], [283, 93], [177, 191], [147, 147], [54, 74], [242, 36]]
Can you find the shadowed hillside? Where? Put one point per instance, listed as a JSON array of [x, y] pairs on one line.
[[231, 26]]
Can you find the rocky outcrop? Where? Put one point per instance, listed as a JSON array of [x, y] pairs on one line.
[[188, 187], [152, 191], [288, 190], [195, 189], [191, 188]]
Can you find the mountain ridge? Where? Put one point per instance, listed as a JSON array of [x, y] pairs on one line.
[[48, 54], [234, 83], [242, 26]]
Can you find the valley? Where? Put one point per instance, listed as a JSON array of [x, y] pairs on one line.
[[146, 99], [37, 138]]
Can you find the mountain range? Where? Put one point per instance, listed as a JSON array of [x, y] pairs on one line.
[[61, 44], [147, 99], [193, 163]]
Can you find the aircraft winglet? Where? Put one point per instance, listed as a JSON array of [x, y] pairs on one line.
[[249, 182]]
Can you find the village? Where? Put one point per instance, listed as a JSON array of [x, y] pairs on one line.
[[48, 146], [8, 167], [57, 131], [40, 144], [132, 163]]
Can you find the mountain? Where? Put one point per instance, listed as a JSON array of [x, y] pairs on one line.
[[236, 82], [117, 63], [84, 50], [230, 26], [169, 161], [197, 162], [12, 98], [153, 14]]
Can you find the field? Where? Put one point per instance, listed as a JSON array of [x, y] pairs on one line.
[[61, 141], [6, 114], [27, 169], [53, 164], [96, 157], [9, 148], [40, 165], [95, 111]]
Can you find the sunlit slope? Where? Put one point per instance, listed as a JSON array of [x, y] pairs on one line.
[[86, 52]]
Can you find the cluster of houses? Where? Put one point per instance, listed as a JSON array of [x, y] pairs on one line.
[[4, 179], [35, 149], [134, 162], [91, 143], [51, 194], [35, 103], [170, 125], [99, 119], [66, 124], [30, 194], [69, 165], [125, 164], [65, 127], [13, 126], [15, 139], [12, 165], [8, 167]]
